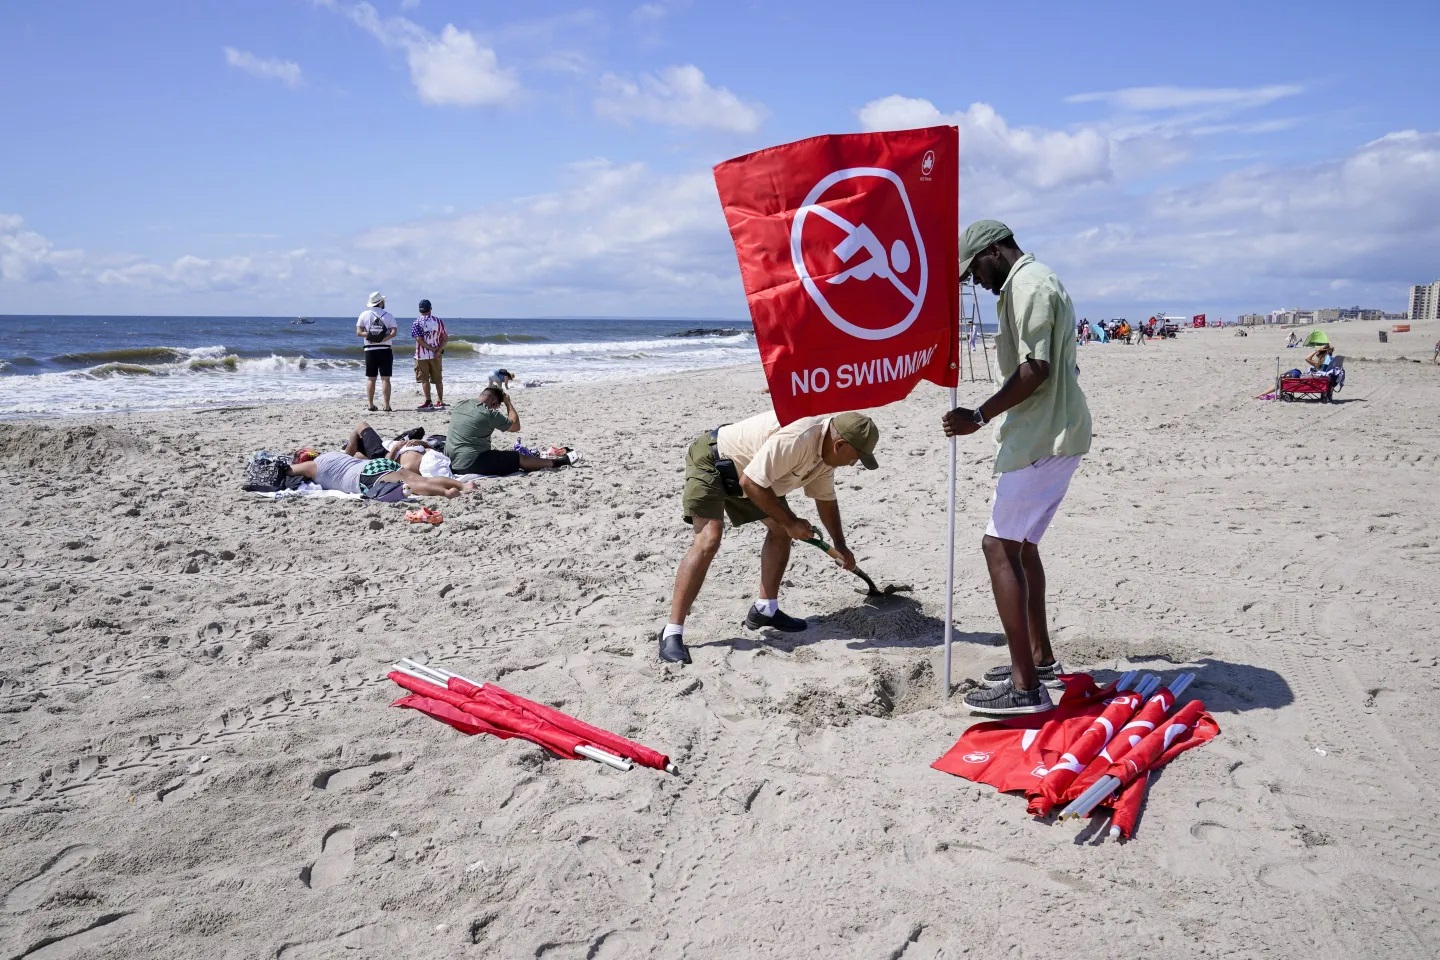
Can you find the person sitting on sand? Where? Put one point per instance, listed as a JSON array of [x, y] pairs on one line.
[[1321, 360], [744, 470], [474, 420], [363, 464]]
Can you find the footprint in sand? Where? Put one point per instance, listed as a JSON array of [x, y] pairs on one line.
[[337, 856], [28, 893], [341, 778], [83, 942]]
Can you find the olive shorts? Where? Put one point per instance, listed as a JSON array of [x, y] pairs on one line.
[[705, 495], [427, 371]]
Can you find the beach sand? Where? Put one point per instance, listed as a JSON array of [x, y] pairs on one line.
[[200, 759]]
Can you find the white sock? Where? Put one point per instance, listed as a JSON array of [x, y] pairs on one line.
[[767, 607], [674, 630]]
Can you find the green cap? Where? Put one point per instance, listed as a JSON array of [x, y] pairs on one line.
[[861, 433], [977, 237]]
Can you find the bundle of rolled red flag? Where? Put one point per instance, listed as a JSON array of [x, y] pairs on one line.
[[474, 708], [1096, 748]]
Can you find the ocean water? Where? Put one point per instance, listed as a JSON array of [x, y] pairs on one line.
[[78, 365]]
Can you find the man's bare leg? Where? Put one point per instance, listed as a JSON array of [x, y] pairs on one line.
[[370, 392], [529, 463], [1007, 581], [385, 384], [352, 446], [774, 558], [688, 581], [1035, 608], [694, 566]]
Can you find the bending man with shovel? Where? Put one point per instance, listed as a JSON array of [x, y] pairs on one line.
[[745, 470]]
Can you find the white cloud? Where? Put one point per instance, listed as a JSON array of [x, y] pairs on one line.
[[1365, 224], [451, 68], [1152, 99], [678, 96], [618, 238], [648, 13], [1028, 158], [286, 71], [614, 239], [625, 239]]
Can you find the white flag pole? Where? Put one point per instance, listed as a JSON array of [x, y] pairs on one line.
[[950, 555]]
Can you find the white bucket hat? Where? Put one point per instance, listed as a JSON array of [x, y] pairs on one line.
[[376, 299]]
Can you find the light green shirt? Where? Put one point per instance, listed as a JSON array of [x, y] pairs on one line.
[[1037, 322]]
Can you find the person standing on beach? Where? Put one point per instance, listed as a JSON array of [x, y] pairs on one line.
[[744, 470], [428, 332], [377, 328], [1045, 432]]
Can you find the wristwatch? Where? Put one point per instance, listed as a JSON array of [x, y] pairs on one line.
[[977, 416]]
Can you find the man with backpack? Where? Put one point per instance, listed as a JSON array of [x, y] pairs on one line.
[[377, 328], [429, 335]]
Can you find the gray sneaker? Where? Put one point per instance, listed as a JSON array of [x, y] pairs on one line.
[[1046, 674], [1003, 700]]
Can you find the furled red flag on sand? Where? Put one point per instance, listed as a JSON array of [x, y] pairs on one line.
[[485, 708], [1081, 751], [1128, 737], [848, 249], [1014, 754]]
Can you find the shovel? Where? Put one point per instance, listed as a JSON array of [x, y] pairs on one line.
[[872, 591]]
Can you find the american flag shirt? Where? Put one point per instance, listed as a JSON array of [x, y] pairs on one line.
[[426, 332]]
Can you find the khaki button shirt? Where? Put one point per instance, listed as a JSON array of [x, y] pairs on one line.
[[784, 459]]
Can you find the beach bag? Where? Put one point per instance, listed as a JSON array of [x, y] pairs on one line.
[[266, 474], [375, 332]]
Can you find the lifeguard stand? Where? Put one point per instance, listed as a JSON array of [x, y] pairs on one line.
[[972, 335]]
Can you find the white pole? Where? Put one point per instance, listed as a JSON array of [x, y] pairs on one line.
[[950, 556]]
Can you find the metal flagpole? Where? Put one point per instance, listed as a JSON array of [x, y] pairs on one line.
[[950, 555]]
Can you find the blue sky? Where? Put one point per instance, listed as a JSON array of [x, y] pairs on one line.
[[288, 156]]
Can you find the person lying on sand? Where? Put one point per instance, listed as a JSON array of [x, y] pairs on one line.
[[744, 470], [474, 420], [365, 463]]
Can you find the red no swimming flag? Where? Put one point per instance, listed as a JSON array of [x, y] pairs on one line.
[[848, 248]]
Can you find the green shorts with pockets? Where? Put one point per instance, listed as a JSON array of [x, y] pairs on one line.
[[705, 495]]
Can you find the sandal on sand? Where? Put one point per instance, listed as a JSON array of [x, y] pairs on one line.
[[374, 409], [424, 515]]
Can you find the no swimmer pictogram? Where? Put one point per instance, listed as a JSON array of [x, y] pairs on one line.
[[858, 252]]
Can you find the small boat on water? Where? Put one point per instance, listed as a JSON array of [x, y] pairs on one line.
[[302, 320]]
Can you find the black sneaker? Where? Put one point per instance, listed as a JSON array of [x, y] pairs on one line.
[[782, 621], [1046, 674], [1003, 700], [673, 649]]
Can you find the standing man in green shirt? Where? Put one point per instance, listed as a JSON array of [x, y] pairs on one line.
[[467, 443], [1044, 433]]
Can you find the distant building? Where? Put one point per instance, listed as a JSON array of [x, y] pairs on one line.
[[1425, 302]]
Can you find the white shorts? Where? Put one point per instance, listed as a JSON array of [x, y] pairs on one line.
[[1025, 500]]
